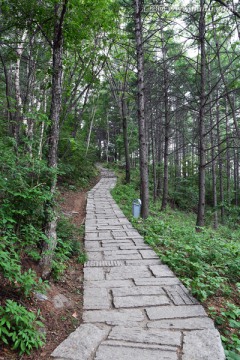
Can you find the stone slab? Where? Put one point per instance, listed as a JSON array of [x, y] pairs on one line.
[[161, 271], [140, 301], [173, 312], [138, 345], [85, 340], [108, 242], [93, 273], [108, 283], [183, 324], [134, 247], [128, 272], [150, 336], [119, 317], [180, 295], [93, 299], [121, 255], [104, 263], [138, 290], [157, 281], [60, 301], [202, 345], [143, 262], [131, 353], [93, 255], [92, 245], [148, 254]]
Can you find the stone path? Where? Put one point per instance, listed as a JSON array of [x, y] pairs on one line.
[[134, 306]]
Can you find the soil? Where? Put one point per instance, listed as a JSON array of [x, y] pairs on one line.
[[59, 322]]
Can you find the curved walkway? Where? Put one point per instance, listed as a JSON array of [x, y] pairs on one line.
[[134, 306]]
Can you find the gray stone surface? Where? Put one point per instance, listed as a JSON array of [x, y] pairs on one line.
[[138, 290], [120, 317], [156, 281], [202, 345], [140, 301], [173, 312], [150, 336], [129, 353], [161, 271], [128, 272], [93, 274], [108, 283], [148, 254], [121, 255], [183, 324], [143, 262], [138, 345], [82, 343], [180, 295], [60, 301], [93, 299], [104, 263], [134, 306]]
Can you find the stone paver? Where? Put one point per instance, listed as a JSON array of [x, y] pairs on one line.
[[134, 306]]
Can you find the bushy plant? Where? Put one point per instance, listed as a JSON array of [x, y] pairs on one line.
[[20, 328], [68, 245]]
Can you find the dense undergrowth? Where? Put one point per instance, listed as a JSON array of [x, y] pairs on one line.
[[24, 195], [207, 262]]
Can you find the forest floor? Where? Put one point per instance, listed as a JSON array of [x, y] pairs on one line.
[[62, 311]]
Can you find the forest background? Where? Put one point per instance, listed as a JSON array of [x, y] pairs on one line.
[[151, 86]]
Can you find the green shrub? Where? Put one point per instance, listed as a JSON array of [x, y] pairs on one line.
[[20, 328]]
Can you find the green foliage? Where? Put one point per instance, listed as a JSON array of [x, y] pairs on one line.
[[20, 328], [74, 166], [22, 198], [228, 318], [68, 246]]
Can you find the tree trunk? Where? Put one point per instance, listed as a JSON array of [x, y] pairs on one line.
[[214, 178], [51, 217], [18, 97], [202, 166], [125, 138], [8, 96], [141, 111], [166, 136], [220, 165]]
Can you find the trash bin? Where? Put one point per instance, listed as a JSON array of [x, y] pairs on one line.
[[136, 208]]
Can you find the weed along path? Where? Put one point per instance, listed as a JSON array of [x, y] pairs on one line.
[[134, 306]]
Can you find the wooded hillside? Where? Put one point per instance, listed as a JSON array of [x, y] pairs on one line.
[[151, 86]]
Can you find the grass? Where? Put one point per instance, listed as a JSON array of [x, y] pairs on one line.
[[207, 262]]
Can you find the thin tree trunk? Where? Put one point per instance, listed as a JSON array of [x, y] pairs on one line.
[[220, 165], [50, 213], [141, 111], [125, 139], [90, 129], [166, 136], [19, 105], [202, 161], [214, 177], [8, 96], [236, 177]]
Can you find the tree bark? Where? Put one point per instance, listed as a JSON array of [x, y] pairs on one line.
[[202, 156], [141, 111], [166, 130], [56, 99], [125, 139]]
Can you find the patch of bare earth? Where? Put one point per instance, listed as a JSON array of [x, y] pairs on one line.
[[62, 311]]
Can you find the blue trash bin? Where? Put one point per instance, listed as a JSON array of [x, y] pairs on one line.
[[136, 208]]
